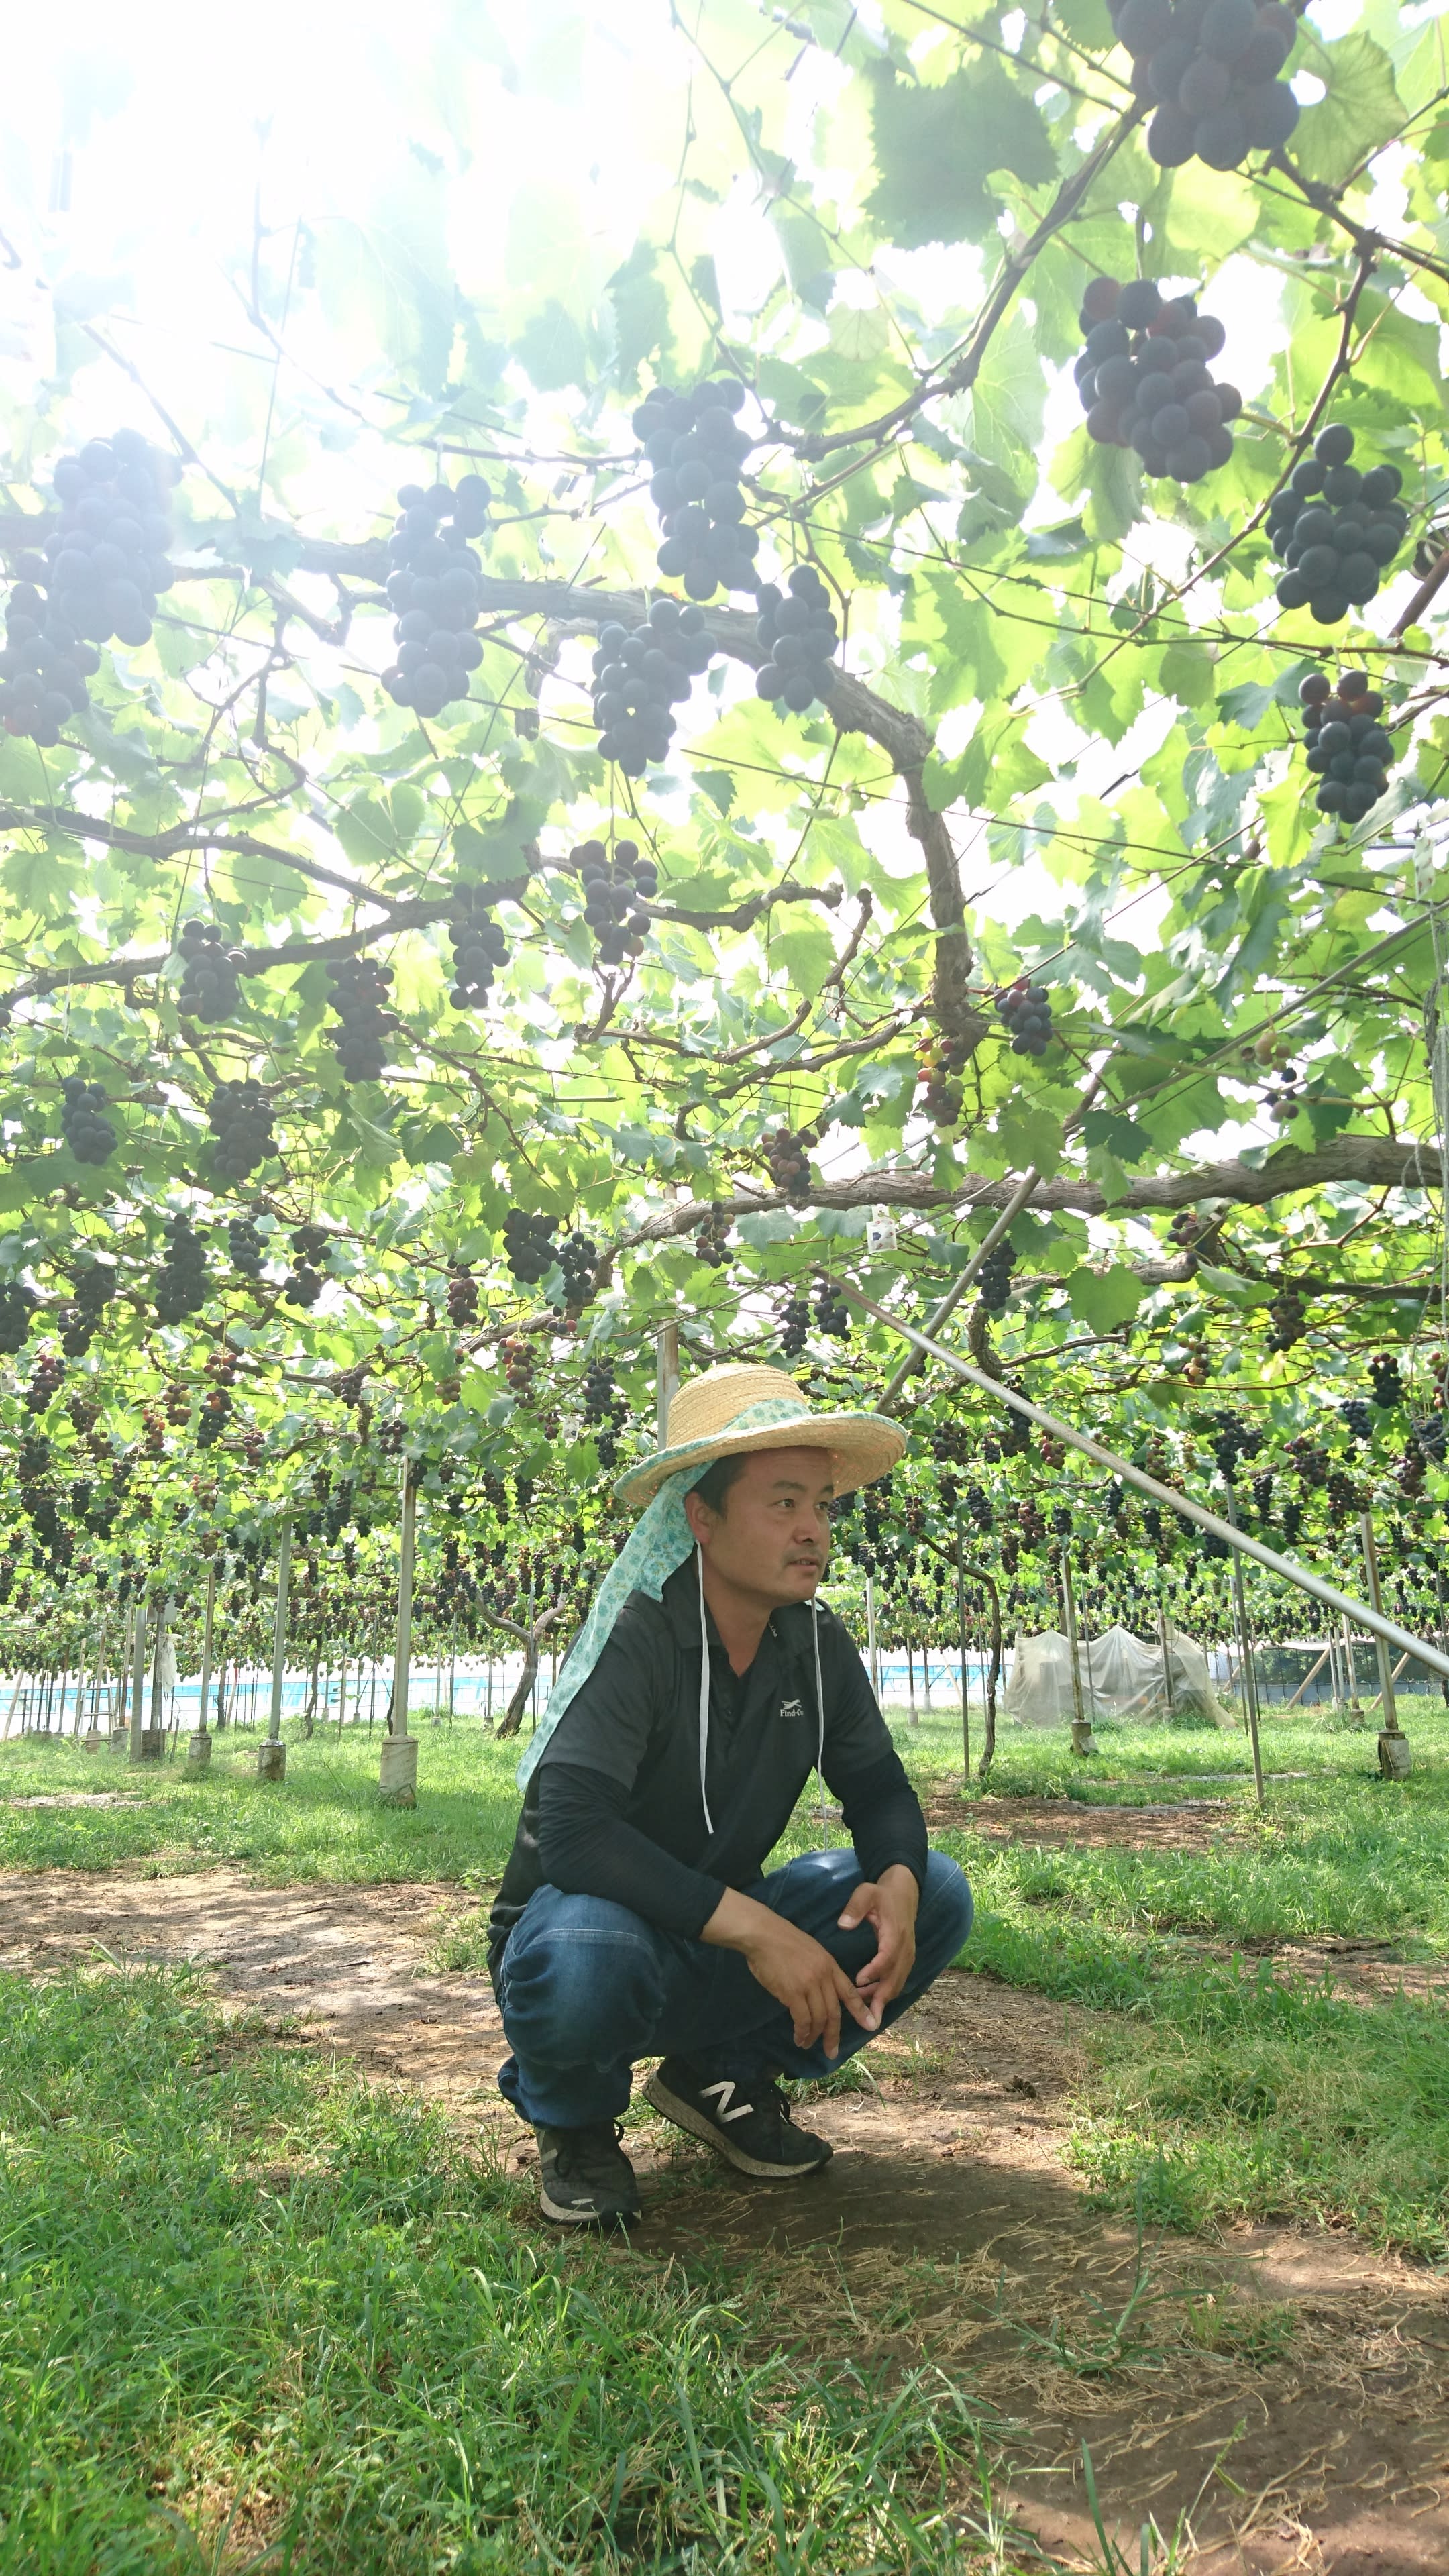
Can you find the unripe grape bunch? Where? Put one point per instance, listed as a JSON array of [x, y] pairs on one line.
[[1026, 1010], [1347, 745], [100, 569], [696, 447], [799, 626], [640, 676], [1144, 379], [435, 587], [1336, 529], [1211, 67], [87, 1131]]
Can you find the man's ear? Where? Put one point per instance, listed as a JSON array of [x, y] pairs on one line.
[[699, 1516]]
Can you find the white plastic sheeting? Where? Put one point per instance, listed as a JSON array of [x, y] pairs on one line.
[[1122, 1677]]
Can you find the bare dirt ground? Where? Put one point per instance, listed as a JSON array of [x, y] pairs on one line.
[[1290, 2392]]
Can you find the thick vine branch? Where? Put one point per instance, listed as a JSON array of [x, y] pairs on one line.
[[1375, 1162]]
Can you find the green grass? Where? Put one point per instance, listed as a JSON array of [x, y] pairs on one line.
[[1221, 2085], [254, 2313]]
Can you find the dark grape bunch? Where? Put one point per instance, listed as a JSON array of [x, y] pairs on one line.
[[1287, 1317], [17, 1305], [711, 1244], [1144, 380], [46, 1382], [244, 1247], [528, 1243], [1212, 66], [303, 1283], [1026, 1011], [1386, 1387], [578, 1257], [614, 892], [801, 630], [181, 1279], [1347, 746], [640, 676], [210, 978], [1335, 528], [993, 1279], [479, 947], [604, 1407], [696, 447], [359, 992], [832, 1315], [100, 571], [87, 1131], [211, 1422], [462, 1298], [1358, 1420], [794, 1327], [94, 1287], [788, 1157], [434, 585], [241, 1122]]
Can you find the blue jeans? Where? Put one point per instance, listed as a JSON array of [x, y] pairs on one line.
[[588, 1987]]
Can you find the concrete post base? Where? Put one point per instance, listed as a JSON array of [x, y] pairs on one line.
[[271, 1760], [153, 1743], [398, 1773], [94, 1737], [198, 1752], [1083, 1740]]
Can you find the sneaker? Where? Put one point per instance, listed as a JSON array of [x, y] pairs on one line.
[[584, 2177], [749, 2123]]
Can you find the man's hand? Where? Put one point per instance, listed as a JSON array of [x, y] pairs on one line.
[[890, 1903], [792, 1967]]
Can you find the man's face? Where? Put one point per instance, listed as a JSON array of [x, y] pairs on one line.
[[773, 1537]]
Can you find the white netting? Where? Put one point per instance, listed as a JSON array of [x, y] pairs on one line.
[[1122, 1677]]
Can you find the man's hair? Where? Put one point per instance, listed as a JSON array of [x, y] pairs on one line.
[[714, 1484]]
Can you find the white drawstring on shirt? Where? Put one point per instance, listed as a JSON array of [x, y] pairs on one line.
[[704, 1701]]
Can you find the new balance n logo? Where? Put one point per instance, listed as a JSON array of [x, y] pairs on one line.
[[726, 2094]]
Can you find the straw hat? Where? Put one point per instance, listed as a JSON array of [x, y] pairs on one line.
[[729, 1412]]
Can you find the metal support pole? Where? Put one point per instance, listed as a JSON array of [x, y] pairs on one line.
[[1394, 1755], [1167, 1682], [666, 1378], [1245, 1649], [870, 1634], [961, 1631], [1284, 1566], [963, 1280]]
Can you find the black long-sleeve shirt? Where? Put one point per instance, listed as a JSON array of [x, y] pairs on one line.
[[614, 1807]]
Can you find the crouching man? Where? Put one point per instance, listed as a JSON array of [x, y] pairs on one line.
[[705, 1687]]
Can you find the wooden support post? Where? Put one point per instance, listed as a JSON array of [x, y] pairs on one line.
[[1395, 1759], [398, 1774], [961, 1633], [1245, 1648], [272, 1752], [138, 1675], [666, 1379], [1083, 1741], [198, 1750]]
